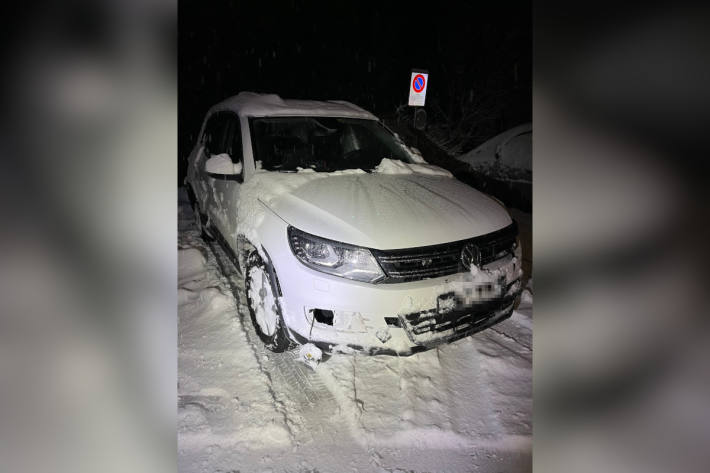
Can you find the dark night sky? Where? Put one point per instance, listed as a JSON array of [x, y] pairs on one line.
[[356, 51]]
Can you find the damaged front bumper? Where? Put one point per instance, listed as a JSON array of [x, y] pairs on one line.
[[398, 319], [430, 328]]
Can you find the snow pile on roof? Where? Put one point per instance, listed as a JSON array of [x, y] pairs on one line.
[[262, 105], [395, 166]]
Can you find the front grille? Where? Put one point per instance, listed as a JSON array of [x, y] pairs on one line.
[[431, 327], [426, 262]]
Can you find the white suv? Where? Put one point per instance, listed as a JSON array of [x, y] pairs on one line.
[[346, 237]]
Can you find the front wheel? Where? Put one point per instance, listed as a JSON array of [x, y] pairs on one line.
[[263, 306]]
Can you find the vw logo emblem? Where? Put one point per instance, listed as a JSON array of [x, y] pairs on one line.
[[470, 255]]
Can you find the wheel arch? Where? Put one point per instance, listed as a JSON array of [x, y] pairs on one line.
[[245, 247], [284, 336]]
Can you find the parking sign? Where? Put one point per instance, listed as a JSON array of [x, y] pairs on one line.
[[417, 87]]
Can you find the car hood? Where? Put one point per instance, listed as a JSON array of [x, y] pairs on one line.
[[384, 211]]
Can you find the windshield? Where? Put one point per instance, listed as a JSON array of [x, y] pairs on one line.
[[324, 144]]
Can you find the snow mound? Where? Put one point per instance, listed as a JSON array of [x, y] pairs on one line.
[[507, 156], [394, 166], [261, 105]]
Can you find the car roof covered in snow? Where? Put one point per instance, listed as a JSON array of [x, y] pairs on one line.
[[251, 104]]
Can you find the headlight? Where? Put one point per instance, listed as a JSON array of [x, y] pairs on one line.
[[332, 257]]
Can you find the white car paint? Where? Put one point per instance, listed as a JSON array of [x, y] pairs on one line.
[[391, 211], [398, 205]]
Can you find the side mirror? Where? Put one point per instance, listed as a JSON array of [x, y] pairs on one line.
[[222, 165]]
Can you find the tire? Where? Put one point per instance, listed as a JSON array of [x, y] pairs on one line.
[[263, 306]]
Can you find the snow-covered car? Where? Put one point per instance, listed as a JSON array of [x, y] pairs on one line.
[[348, 239], [508, 153], [502, 166]]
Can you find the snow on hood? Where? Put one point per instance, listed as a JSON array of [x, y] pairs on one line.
[[399, 205]]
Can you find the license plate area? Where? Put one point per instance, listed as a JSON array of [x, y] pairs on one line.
[[485, 291], [447, 303], [469, 296]]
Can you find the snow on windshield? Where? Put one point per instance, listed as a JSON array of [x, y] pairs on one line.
[[324, 144]]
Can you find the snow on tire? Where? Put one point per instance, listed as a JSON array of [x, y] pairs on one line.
[[263, 306]]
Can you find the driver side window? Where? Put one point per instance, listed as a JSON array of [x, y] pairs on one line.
[[223, 141], [233, 139], [215, 134]]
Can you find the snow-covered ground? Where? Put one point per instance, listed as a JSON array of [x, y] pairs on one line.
[[463, 407]]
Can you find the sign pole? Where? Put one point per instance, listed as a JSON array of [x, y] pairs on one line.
[[418, 82]]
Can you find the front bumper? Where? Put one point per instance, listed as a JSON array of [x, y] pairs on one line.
[[372, 318], [462, 324], [395, 319], [433, 327]]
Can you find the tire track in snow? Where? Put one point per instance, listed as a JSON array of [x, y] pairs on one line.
[[301, 396], [299, 393], [512, 339], [497, 340], [223, 404], [231, 278]]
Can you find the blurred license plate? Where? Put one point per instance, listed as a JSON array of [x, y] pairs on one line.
[[487, 291], [470, 295]]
